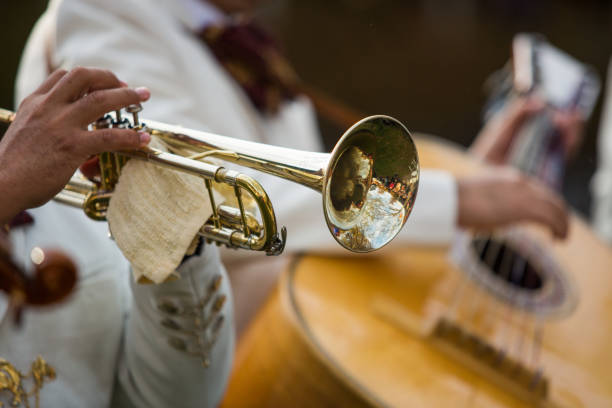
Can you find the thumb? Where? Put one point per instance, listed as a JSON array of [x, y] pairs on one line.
[[108, 140]]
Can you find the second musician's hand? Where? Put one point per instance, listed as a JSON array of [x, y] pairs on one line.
[[504, 197]]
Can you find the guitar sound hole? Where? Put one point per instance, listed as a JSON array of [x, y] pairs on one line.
[[507, 264]]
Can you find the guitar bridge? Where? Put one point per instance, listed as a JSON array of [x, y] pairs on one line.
[[494, 364]]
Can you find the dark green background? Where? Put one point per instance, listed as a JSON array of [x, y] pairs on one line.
[[423, 62]]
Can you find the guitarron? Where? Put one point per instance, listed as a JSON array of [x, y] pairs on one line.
[[410, 328]]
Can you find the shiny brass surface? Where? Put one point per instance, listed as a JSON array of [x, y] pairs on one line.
[[12, 381], [368, 182], [6, 116]]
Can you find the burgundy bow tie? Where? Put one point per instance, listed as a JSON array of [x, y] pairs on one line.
[[255, 61]]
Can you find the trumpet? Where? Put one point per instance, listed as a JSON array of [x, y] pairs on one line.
[[368, 182]]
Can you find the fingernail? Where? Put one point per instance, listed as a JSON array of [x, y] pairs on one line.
[[123, 84], [143, 92], [144, 138]]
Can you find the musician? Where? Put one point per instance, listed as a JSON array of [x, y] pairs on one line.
[[114, 342], [32, 167], [161, 45]]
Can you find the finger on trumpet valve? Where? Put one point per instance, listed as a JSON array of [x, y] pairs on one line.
[[119, 159], [110, 164]]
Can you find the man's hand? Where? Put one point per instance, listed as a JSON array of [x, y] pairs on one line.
[[493, 143], [570, 125], [495, 139], [503, 196], [48, 139]]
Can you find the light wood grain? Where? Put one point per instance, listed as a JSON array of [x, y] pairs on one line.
[[352, 331]]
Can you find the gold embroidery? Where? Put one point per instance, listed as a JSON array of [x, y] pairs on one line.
[[11, 380]]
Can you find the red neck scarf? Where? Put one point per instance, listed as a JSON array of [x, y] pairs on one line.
[[255, 61]]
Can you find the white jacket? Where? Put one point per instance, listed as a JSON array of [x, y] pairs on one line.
[[601, 185], [110, 342]]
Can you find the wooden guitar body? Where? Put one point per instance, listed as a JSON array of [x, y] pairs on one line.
[[405, 327]]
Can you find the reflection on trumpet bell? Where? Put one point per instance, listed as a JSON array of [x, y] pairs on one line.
[[369, 181], [373, 178], [349, 187]]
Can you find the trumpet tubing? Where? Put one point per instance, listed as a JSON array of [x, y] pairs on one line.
[[368, 182]]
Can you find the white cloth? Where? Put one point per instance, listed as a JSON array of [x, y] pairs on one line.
[[154, 217], [601, 185]]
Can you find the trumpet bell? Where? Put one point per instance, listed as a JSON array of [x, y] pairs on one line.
[[370, 184]]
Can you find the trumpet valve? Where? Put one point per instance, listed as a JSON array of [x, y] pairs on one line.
[[134, 109], [120, 122], [105, 121]]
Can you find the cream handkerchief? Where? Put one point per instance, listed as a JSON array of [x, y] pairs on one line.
[[154, 216]]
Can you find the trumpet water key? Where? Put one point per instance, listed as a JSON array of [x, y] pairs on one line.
[[368, 182]]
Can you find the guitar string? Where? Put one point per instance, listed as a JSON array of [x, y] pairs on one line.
[[528, 164], [521, 336], [451, 310], [529, 345], [488, 251], [473, 308], [533, 164], [504, 273], [538, 335], [503, 331]]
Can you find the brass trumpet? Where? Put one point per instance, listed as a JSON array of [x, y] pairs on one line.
[[368, 182]]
